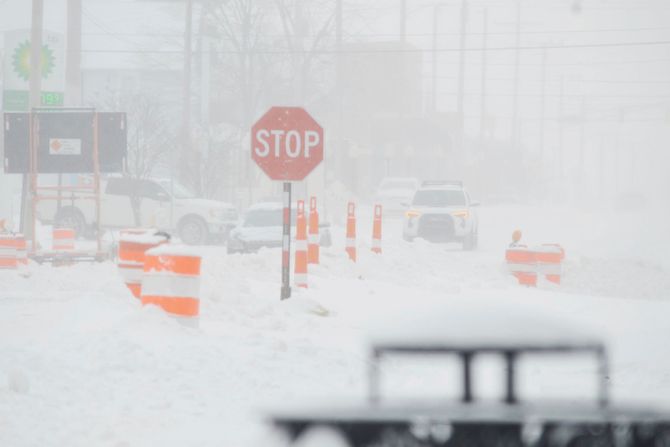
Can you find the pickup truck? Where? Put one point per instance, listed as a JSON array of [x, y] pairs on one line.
[[170, 207]]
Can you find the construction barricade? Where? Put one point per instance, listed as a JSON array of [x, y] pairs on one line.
[[377, 230], [21, 249], [8, 258], [133, 243], [351, 231], [313, 235], [549, 258], [62, 239], [300, 276], [171, 280], [522, 264]]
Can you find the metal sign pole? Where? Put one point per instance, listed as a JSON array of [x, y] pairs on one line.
[[286, 245]]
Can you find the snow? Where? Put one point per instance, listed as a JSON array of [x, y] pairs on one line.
[[175, 250], [480, 321], [150, 237], [83, 363]]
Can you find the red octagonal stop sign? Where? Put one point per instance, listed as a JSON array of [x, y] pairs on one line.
[[287, 143]]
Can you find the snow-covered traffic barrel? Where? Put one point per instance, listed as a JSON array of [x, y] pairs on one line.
[[63, 239], [521, 263], [8, 259], [549, 258], [21, 249], [133, 243], [171, 280]]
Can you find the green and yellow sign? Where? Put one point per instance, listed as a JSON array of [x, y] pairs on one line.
[[16, 97]]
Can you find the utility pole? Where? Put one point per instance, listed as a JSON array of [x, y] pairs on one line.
[[73, 64], [433, 105], [461, 80], [582, 142], [186, 155], [339, 95], [35, 84], [403, 20], [515, 94], [543, 99], [561, 112], [482, 113]]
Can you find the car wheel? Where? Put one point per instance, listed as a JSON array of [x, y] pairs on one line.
[[193, 231], [470, 241], [70, 217]]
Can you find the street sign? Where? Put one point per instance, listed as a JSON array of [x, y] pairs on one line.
[[64, 141], [17, 70], [287, 143]]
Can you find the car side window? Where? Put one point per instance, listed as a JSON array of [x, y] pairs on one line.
[[118, 187], [151, 190]]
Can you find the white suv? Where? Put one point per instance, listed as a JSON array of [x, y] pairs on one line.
[[441, 211], [172, 208]]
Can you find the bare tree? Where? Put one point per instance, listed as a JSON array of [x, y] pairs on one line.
[[151, 138], [307, 32]]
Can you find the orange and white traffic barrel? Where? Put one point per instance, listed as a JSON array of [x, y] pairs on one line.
[[133, 243], [171, 280], [377, 230], [313, 234], [549, 259], [8, 259], [300, 274], [351, 231], [521, 263], [21, 249], [63, 239]]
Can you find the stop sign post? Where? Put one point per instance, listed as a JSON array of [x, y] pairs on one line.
[[287, 144]]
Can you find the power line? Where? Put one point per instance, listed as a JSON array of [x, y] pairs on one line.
[[470, 33], [598, 81], [404, 50]]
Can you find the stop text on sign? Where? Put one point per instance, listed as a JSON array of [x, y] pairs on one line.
[[287, 143], [292, 143]]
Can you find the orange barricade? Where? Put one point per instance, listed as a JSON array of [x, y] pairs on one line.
[[171, 280], [377, 230], [300, 277], [313, 236], [133, 243], [21, 249], [63, 239], [521, 263], [549, 258], [8, 259], [351, 231]]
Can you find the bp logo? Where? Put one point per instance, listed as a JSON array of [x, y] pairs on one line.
[[21, 60]]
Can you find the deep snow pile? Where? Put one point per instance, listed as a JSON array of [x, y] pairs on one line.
[[82, 363]]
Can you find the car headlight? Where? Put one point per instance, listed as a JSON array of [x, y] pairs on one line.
[[412, 213], [463, 214], [234, 240]]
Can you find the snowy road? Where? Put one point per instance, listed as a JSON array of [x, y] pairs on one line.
[[82, 363]]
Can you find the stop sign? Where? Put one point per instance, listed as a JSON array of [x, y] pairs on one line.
[[286, 143]]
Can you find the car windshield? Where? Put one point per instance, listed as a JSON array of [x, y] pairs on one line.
[[267, 218], [439, 198], [179, 191], [398, 184]]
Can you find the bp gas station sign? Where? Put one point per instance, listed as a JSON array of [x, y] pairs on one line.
[[16, 89]]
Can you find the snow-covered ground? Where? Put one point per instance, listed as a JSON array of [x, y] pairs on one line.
[[83, 364]]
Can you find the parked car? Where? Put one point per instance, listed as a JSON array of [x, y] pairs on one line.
[[442, 211], [262, 226], [171, 207], [393, 193]]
